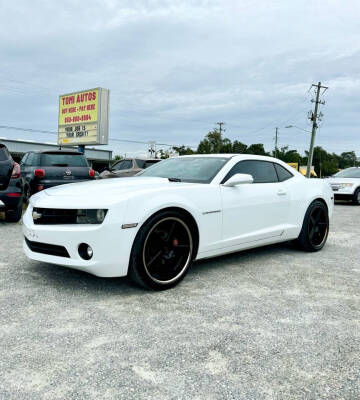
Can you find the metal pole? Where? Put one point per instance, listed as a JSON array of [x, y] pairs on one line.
[[313, 132]]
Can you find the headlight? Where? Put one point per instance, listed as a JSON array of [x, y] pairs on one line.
[[91, 216], [345, 185]]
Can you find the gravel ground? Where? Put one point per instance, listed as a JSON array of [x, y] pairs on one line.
[[271, 323]]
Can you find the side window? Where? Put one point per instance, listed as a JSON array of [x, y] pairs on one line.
[[125, 164], [23, 160], [261, 171], [283, 173]]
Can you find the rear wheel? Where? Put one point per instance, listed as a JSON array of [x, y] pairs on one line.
[[315, 227], [162, 251], [14, 215], [356, 197]]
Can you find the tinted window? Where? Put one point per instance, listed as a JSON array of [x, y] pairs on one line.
[[23, 160], [63, 160], [33, 159], [146, 163], [4, 154], [261, 171], [187, 169], [125, 164], [283, 173]]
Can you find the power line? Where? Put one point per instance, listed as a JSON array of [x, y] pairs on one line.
[[111, 139]]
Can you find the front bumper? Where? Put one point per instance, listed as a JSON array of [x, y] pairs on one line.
[[111, 245], [343, 196]]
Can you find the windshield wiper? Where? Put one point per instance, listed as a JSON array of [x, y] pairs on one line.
[[174, 179]]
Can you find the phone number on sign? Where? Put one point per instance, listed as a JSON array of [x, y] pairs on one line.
[[78, 118]]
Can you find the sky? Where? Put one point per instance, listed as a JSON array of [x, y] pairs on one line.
[[175, 68]]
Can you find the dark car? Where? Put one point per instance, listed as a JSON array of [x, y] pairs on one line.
[[128, 167], [11, 186], [42, 170]]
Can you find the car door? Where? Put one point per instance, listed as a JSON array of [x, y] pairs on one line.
[[257, 211]]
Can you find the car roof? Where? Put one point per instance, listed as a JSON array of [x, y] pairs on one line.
[[239, 155], [55, 152]]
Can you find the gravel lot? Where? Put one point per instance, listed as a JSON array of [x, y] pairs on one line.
[[271, 323]]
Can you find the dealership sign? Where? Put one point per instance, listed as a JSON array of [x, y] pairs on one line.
[[84, 117]]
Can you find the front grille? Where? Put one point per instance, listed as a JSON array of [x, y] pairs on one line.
[[45, 248], [54, 216]]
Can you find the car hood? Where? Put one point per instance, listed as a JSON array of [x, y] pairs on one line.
[[113, 188]]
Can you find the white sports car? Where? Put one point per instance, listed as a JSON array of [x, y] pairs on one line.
[[152, 226], [346, 185]]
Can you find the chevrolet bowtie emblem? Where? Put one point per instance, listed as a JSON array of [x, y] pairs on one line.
[[36, 215]]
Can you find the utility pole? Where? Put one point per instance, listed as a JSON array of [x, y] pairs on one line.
[[276, 141], [313, 117], [220, 127]]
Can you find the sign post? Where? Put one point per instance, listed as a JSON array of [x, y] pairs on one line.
[[84, 118]]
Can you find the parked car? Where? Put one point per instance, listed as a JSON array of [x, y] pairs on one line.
[[128, 167], [346, 185], [44, 169], [154, 225], [11, 186]]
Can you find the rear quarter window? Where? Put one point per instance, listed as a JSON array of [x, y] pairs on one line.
[[283, 173]]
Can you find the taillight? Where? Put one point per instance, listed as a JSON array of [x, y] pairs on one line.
[[39, 173], [91, 173], [16, 171]]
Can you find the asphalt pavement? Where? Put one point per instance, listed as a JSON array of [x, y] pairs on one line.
[[270, 323]]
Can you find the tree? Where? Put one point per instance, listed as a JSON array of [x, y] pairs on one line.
[[183, 151], [257, 149], [238, 147], [214, 143], [347, 159]]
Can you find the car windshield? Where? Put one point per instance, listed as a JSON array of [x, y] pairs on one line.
[[63, 160], [187, 169], [348, 173]]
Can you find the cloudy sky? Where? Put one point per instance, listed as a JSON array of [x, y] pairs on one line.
[[174, 68]]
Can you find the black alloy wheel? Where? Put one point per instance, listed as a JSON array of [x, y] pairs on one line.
[[356, 197], [315, 227], [162, 251]]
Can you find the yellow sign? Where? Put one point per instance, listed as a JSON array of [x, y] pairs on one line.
[[83, 117], [294, 165]]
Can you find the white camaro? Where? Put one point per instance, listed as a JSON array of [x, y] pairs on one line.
[[152, 226], [346, 185]]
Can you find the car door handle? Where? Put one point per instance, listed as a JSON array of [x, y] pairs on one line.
[[281, 192]]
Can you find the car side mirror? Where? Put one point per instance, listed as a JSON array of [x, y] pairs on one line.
[[239, 179]]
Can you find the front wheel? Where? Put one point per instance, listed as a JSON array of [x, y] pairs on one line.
[[162, 251], [356, 197], [315, 228]]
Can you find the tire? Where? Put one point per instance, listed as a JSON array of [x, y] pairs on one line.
[[356, 197], [163, 251], [315, 228], [14, 215]]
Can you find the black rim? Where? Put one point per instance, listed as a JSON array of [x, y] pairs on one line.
[[318, 227], [167, 250]]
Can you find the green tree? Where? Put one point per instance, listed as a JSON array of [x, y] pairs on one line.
[[239, 148], [347, 159], [182, 150], [258, 149], [212, 143]]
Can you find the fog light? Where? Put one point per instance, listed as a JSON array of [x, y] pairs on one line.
[[85, 251]]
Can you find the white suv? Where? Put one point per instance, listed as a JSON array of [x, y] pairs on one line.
[[346, 185]]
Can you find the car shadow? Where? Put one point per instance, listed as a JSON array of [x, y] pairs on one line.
[[71, 280]]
